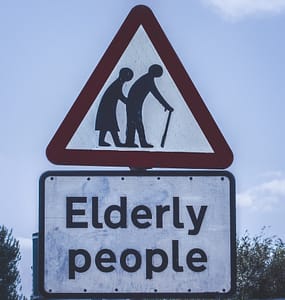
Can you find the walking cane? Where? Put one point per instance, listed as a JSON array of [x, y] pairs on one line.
[[165, 130]]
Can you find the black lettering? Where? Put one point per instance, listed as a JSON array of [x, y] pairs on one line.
[[105, 256], [175, 257], [72, 262], [70, 212], [141, 216], [192, 259], [124, 259], [160, 210], [95, 213], [122, 210], [197, 222], [176, 213], [150, 267]]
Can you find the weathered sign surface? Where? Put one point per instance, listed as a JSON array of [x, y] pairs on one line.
[[137, 234], [139, 108]]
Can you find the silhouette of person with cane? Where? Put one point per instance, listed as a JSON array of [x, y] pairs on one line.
[[106, 119], [137, 94]]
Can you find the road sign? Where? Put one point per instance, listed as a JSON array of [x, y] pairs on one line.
[[137, 234], [139, 108]]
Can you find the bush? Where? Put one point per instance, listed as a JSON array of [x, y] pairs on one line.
[[9, 258], [260, 267]]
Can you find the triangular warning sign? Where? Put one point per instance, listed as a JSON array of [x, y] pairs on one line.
[[139, 108]]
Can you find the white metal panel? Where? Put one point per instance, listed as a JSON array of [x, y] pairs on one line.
[[214, 237]]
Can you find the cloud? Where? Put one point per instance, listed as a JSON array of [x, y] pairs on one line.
[[237, 9], [264, 197]]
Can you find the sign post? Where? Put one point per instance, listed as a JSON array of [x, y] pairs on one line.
[[126, 234]]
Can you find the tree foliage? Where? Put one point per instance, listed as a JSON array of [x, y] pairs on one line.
[[9, 258], [260, 267]]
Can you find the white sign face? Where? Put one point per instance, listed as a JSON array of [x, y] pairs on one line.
[[181, 137], [126, 234]]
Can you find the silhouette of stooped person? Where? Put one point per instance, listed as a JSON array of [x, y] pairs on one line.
[[137, 94], [106, 119]]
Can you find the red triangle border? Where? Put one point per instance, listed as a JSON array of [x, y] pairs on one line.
[[56, 150]]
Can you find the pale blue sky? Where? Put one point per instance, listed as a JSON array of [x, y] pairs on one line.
[[233, 51]]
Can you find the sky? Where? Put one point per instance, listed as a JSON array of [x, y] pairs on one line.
[[233, 50]]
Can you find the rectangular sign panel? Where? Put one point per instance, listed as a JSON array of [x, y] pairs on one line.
[[137, 234]]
